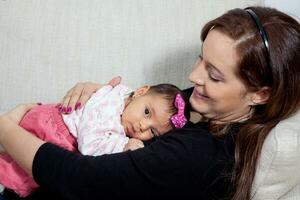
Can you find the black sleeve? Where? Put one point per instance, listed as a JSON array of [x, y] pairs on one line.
[[179, 164]]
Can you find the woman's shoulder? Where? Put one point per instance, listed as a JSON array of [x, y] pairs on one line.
[[196, 139]]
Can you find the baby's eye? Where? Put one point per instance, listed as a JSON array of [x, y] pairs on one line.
[[147, 112]]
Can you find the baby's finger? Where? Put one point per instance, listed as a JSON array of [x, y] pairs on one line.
[[140, 144]]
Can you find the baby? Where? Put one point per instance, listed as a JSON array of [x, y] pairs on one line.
[[115, 119]]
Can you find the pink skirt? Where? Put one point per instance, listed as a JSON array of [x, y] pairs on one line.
[[45, 122]]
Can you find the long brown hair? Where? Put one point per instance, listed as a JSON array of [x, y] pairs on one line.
[[279, 70]]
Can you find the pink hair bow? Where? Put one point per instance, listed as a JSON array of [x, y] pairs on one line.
[[179, 120]]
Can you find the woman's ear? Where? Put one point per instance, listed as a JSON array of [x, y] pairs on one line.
[[140, 91], [261, 96]]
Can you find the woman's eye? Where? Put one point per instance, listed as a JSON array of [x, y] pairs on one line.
[[213, 78], [212, 75]]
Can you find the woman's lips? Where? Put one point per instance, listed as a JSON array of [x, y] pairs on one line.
[[198, 95]]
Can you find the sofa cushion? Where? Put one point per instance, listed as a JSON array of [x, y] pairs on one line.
[[278, 171]]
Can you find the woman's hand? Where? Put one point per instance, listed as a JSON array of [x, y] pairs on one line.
[[78, 95], [17, 113]]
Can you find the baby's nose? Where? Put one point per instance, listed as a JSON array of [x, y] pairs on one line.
[[144, 125]]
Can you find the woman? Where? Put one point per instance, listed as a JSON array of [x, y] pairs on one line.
[[246, 80]]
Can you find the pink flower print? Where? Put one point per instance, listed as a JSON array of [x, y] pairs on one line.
[[103, 104], [113, 103], [90, 116]]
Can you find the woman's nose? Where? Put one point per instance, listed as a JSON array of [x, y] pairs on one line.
[[197, 75]]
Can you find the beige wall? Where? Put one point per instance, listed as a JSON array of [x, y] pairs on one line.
[[48, 45]]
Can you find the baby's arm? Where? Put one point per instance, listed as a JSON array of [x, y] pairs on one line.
[[133, 144]]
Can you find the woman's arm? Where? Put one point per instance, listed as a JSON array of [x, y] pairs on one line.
[[183, 163], [19, 143], [16, 141]]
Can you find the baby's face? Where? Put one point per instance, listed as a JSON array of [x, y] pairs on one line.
[[146, 116]]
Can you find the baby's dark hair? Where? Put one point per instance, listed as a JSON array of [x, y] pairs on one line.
[[169, 92]]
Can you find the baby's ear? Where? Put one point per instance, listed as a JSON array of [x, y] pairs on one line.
[[142, 90]]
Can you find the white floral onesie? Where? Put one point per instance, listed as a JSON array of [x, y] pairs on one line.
[[97, 125]]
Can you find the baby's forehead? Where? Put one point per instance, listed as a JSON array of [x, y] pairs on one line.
[[163, 98], [162, 109], [161, 106]]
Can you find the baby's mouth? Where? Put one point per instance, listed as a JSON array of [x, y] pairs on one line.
[[129, 130]]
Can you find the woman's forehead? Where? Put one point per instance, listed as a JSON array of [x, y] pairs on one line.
[[220, 50]]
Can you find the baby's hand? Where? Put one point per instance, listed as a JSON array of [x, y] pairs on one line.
[[133, 144]]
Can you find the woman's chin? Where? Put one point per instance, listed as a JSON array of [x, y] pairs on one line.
[[198, 105]]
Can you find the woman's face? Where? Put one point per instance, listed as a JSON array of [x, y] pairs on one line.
[[219, 94]]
